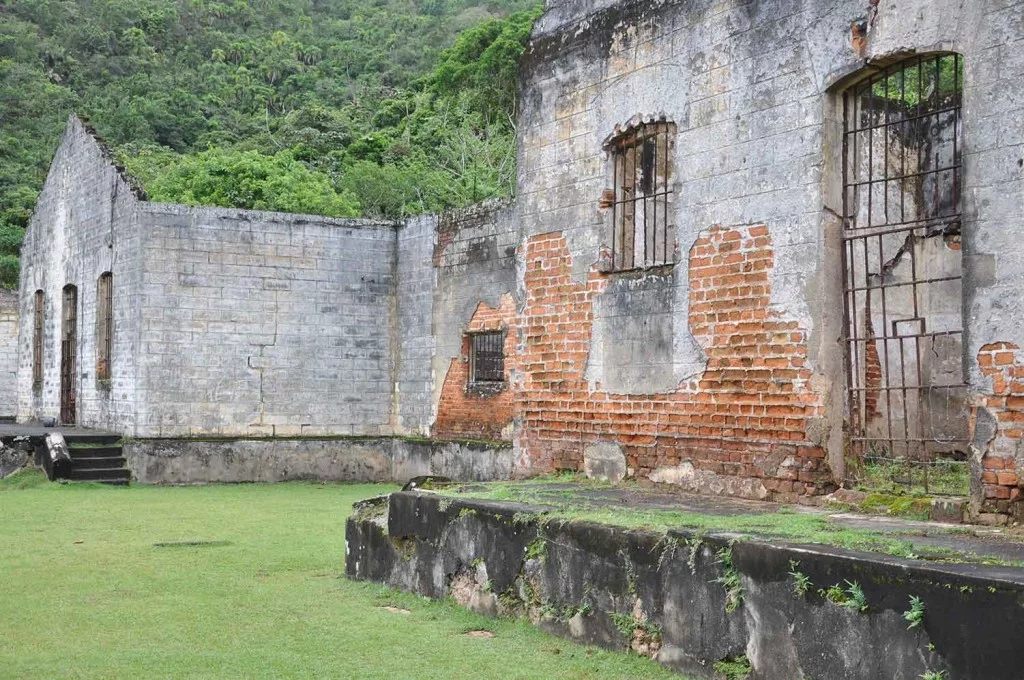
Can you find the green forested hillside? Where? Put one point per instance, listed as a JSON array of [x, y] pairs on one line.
[[338, 107]]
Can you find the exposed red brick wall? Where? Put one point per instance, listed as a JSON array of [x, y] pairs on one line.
[[746, 416], [466, 413], [872, 371], [1001, 361]]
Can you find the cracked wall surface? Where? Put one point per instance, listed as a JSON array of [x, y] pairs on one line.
[[688, 599], [265, 324]]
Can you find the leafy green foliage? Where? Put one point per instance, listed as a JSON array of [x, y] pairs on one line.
[[915, 615], [801, 581], [734, 669], [730, 581], [851, 597], [249, 179], [358, 105]]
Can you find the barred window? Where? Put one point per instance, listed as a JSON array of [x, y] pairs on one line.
[[487, 357], [104, 324], [641, 172], [37, 340]]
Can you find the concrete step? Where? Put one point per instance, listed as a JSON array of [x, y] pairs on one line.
[[91, 439], [108, 463], [83, 474], [83, 453]]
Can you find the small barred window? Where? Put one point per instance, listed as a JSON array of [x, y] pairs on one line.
[[642, 233], [487, 357]]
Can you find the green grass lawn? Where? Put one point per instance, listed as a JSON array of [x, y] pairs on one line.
[[84, 592]]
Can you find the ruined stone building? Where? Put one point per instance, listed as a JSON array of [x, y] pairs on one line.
[[753, 240]]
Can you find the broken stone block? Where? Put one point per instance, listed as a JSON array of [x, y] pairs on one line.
[[11, 460], [604, 461]]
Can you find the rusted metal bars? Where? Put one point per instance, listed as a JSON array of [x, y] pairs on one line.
[[915, 109], [642, 184]]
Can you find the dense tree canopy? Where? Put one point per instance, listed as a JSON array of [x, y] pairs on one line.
[[337, 107]]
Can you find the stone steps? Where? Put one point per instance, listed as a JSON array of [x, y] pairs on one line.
[[97, 458]]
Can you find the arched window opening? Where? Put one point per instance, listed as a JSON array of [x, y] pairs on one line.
[[642, 229]]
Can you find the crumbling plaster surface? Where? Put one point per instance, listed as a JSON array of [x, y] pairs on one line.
[[748, 85], [474, 263]]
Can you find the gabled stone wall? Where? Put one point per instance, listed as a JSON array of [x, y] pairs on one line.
[[85, 223]]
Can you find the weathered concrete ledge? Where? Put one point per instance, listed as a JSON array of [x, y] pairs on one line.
[[692, 601], [356, 459]]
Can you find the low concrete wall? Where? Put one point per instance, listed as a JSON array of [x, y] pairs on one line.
[[356, 459], [664, 596]]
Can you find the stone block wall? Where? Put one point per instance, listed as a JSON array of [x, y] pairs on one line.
[[265, 324], [85, 223], [8, 354], [415, 325]]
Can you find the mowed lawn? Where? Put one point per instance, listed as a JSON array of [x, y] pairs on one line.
[[84, 592]]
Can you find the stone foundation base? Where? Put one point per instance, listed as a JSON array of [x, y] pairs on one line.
[[349, 459], [692, 601]]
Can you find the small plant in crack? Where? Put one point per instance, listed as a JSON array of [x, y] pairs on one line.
[[801, 581], [915, 615], [737, 668], [669, 550], [851, 597], [523, 518], [537, 549], [628, 625], [934, 675], [624, 623], [729, 580], [695, 545], [466, 512], [630, 573], [582, 609]]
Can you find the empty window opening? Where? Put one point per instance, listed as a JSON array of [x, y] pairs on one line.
[[642, 231], [487, 357], [37, 340], [104, 324], [902, 266]]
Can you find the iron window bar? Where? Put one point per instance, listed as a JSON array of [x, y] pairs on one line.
[[641, 178], [487, 357]]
